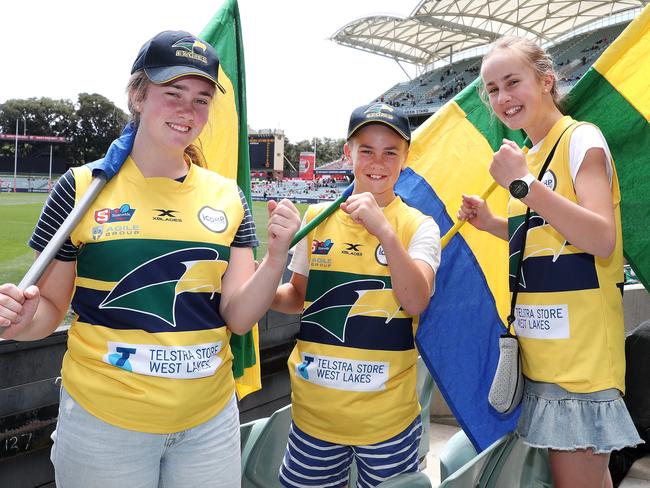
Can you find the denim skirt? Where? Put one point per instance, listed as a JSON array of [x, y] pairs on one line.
[[555, 418]]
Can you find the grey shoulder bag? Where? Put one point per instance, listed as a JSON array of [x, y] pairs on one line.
[[507, 387]]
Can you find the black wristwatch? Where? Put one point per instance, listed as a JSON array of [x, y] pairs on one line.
[[520, 187]]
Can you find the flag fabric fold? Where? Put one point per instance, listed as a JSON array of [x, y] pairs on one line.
[[116, 154], [458, 333], [614, 95]]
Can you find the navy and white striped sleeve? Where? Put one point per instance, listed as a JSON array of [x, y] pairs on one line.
[[245, 236], [57, 207]]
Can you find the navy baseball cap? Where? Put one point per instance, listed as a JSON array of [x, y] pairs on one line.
[[172, 54], [380, 113]]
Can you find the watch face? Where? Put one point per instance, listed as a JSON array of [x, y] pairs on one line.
[[518, 188]]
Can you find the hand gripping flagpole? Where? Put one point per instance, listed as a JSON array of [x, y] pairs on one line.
[[456, 227], [348, 191], [103, 170], [323, 215]]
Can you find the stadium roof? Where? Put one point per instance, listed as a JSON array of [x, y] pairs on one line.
[[438, 28]]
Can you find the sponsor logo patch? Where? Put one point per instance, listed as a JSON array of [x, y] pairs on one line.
[[213, 219], [180, 362], [352, 249], [549, 179], [118, 231], [343, 373], [318, 262], [164, 215], [380, 256], [121, 214], [542, 321], [97, 232], [321, 247]]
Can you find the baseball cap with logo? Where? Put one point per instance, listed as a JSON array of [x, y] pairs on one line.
[[172, 54], [380, 113]]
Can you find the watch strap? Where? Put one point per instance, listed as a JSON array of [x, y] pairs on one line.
[[528, 179]]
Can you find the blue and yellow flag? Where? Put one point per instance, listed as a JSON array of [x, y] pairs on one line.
[[458, 333], [450, 155]]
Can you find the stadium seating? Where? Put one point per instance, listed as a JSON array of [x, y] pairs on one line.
[[294, 189], [472, 472], [429, 91], [409, 480], [508, 462], [457, 452], [263, 443], [424, 386], [261, 459]]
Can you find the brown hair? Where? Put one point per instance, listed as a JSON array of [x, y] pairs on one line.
[[536, 57], [136, 90]]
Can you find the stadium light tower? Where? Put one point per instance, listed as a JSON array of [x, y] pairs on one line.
[[16, 148]]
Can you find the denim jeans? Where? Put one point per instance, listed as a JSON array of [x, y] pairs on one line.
[[90, 453]]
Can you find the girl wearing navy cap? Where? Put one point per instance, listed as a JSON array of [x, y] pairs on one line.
[[160, 272]]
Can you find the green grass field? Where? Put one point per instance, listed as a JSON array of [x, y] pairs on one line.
[[19, 213]]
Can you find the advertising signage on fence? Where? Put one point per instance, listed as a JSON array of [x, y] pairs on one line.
[[29, 138], [307, 163]]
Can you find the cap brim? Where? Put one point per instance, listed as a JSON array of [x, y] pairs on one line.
[[159, 76], [383, 122]]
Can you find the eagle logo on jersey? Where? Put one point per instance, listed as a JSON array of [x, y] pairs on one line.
[[154, 287], [535, 224], [333, 308]]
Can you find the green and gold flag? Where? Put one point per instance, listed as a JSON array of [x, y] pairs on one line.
[[614, 94], [224, 142]]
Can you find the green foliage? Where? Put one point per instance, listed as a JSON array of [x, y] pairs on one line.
[[42, 116], [100, 122], [90, 125]]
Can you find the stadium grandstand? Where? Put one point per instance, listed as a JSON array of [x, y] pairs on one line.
[[300, 191], [442, 42]]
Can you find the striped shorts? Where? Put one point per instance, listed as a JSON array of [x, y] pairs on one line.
[[311, 462]]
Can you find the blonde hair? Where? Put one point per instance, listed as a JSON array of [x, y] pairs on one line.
[[136, 90], [534, 55]]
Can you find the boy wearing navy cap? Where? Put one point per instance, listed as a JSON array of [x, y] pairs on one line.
[[360, 280]]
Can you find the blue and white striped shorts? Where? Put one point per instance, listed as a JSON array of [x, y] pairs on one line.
[[311, 462]]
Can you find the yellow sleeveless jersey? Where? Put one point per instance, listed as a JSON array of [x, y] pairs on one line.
[[353, 369], [569, 315], [148, 350]]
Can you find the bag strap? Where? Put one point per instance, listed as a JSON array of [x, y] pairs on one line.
[[513, 299]]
